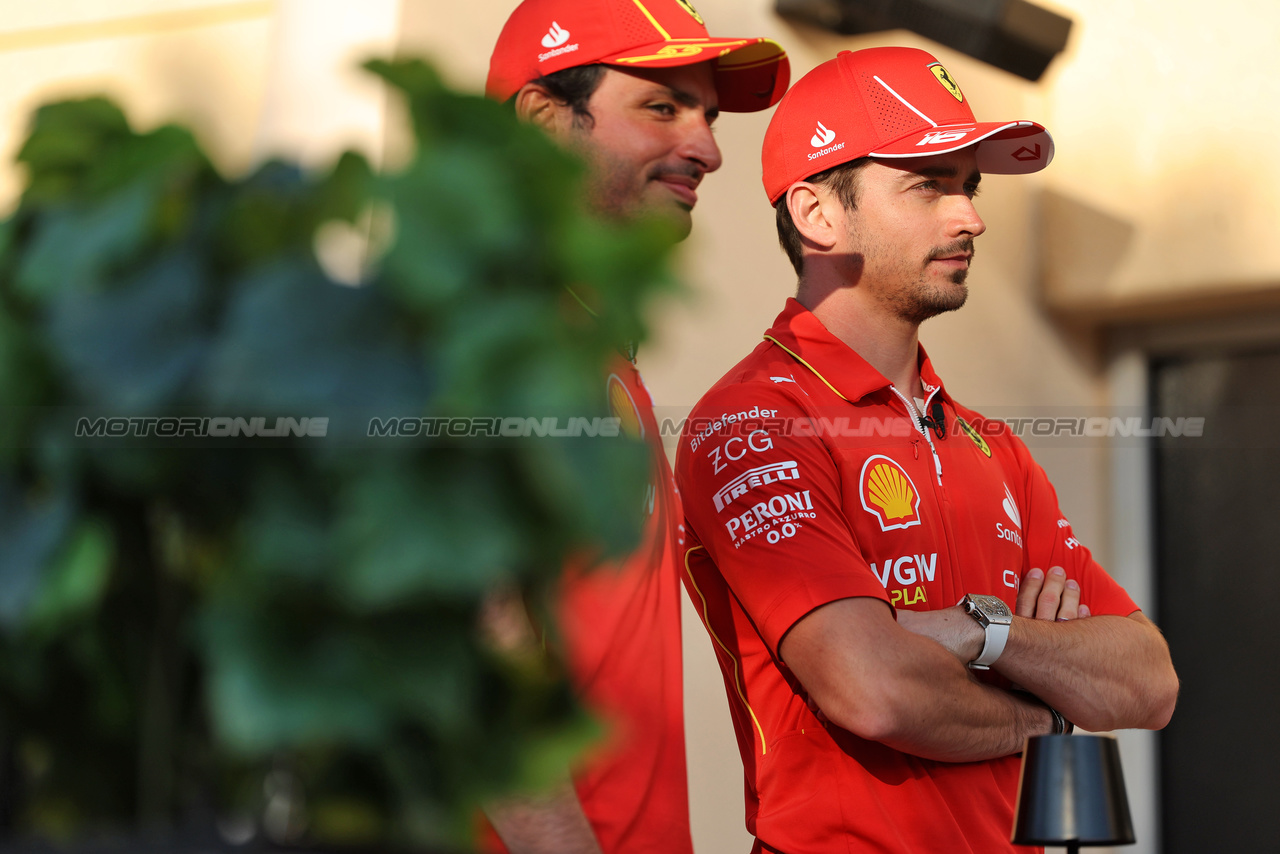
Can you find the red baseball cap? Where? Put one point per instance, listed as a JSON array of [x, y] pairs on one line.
[[544, 36], [888, 102]]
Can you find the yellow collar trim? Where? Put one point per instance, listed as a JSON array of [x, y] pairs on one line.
[[809, 366]]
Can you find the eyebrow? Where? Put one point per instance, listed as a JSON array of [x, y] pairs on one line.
[[686, 99], [975, 177]]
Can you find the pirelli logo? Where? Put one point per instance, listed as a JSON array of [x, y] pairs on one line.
[[749, 480]]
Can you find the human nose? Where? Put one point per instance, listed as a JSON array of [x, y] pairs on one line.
[[699, 145], [965, 220]]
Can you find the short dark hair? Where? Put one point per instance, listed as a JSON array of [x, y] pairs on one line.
[[843, 181], [574, 88]]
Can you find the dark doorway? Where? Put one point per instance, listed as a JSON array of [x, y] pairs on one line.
[[1218, 583]]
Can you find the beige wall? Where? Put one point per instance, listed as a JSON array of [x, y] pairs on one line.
[[1161, 202], [201, 62], [1162, 196]]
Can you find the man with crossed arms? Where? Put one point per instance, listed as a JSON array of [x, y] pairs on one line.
[[840, 503], [634, 86]]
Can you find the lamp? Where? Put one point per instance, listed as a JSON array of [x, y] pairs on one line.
[[1018, 36], [1071, 793]]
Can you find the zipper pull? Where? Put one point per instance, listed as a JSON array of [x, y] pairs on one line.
[[915, 446]]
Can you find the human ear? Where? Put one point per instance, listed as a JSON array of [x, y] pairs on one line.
[[814, 213], [535, 105]]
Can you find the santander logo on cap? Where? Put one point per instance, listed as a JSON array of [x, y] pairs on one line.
[[821, 140], [555, 40], [556, 36], [822, 136]]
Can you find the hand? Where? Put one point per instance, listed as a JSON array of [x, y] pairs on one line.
[[1052, 597], [951, 627]]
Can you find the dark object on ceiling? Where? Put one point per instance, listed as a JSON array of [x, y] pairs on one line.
[[1014, 35]]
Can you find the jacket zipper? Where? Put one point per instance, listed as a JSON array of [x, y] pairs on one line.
[[915, 421]]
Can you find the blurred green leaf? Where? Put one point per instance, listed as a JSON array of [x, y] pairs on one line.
[[74, 583], [73, 248], [285, 530], [30, 532], [432, 532], [272, 687], [296, 344], [66, 143], [138, 345], [208, 610]]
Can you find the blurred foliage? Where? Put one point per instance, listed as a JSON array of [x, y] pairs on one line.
[[282, 633]]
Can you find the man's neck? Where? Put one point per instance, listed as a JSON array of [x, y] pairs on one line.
[[887, 343]]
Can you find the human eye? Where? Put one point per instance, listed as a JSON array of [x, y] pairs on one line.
[[972, 190], [663, 108]]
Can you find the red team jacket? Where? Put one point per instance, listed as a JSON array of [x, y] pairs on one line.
[[621, 630], [805, 481]]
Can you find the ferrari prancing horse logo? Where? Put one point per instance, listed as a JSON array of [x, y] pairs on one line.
[[688, 7], [948, 82]]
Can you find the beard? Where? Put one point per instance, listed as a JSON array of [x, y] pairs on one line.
[[616, 192], [925, 298]]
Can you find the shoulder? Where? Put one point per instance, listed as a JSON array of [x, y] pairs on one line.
[[757, 388], [767, 368], [994, 433], [753, 408]]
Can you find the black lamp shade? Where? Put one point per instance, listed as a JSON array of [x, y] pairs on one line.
[[1072, 793]]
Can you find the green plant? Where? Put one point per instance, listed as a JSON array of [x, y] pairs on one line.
[[183, 617]]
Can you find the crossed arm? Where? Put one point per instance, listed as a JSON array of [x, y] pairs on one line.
[[871, 676], [904, 682], [1104, 672]]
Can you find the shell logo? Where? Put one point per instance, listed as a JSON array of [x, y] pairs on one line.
[[889, 494], [624, 408]]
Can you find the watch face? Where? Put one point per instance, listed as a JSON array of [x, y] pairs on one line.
[[992, 606]]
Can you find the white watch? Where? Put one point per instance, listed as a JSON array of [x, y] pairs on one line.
[[995, 618]]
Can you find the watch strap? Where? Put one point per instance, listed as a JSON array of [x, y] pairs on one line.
[[997, 635]]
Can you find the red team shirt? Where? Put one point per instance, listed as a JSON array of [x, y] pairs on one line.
[[621, 630], [805, 480]]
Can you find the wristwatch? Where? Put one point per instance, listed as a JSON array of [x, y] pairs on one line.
[[995, 618]]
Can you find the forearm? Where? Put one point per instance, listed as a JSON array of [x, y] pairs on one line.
[[549, 824], [873, 678], [1102, 672], [939, 711]]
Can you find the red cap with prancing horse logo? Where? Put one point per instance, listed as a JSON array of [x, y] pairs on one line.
[[888, 102], [545, 36]]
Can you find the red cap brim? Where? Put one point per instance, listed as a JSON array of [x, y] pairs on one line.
[[751, 74], [1004, 148]]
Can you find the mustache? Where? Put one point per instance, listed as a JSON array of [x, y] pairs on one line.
[[964, 244], [683, 170]]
